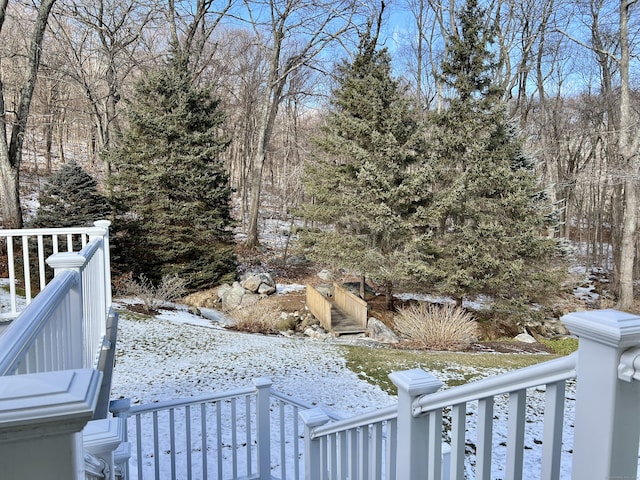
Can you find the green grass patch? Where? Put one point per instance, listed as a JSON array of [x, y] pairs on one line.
[[375, 364], [134, 316], [20, 291], [562, 345]]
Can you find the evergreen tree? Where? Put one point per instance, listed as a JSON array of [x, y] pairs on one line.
[[365, 182], [170, 188], [487, 215], [70, 199]]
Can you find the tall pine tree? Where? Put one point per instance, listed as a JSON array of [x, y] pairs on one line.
[[170, 187], [487, 215], [365, 182]]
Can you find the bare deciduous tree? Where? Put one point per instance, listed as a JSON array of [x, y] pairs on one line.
[[14, 124], [292, 33]]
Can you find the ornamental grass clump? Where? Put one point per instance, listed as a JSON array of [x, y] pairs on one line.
[[437, 327], [261, 317]]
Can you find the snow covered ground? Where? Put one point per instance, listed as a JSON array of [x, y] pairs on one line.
[[177, 354]]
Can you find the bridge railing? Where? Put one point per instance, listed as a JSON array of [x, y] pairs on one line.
[[351, 304], [319, 307]]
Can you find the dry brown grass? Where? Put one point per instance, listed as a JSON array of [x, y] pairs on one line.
[[261, 317], [436, 327]]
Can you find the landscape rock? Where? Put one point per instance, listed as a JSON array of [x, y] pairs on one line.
[[266, 289], [317, 332], [259, 281], [380, 332], [326, 275], [232, 298], [525, 338], [249, 299], [325, 289], [222, 289]]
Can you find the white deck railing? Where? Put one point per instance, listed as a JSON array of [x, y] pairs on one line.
[[253, 432], [27, 251], [64, 327], [49, 354], [406, 441]]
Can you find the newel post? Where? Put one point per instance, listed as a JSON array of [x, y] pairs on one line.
[[263, 413], [68, 261], [413, 432], [607, 423], [41, 419], [313, 463], [106, 256]]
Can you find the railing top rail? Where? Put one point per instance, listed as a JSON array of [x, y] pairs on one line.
[[300, 403], [20, 232], [183, 402], [376, 416], [90, 249], [542, 374], [22, 332]]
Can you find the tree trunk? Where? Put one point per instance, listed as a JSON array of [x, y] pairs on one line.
[[11, 151], [10, 193], [256, 186], [273, 94], [627, 250], [628, 151], [388, 296]]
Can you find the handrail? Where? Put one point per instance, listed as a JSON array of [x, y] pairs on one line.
[[36, 244], [211, 397], [544, 373], [351, 304], [295, 402], [21, 232], [22, 333], [319, 307], [376, 416]]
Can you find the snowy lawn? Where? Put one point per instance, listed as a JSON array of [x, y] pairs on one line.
[[176, 354]]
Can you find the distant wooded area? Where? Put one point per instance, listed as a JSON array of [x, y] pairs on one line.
[[565, 73]]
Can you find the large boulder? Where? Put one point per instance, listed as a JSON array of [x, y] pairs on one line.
[[232, 298], [325, 275], [325, 289], [525, 338], [249, 299], [380, 332], [223, 289], [261, 283]]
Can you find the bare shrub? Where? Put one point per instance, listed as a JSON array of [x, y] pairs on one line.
[[261, 317], [437, 327], [170, 288]]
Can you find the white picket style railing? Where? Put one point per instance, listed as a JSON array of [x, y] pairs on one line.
[[253, 432], [49, 355], [27, 252]]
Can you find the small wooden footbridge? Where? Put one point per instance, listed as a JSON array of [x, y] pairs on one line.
[[343, 314]]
